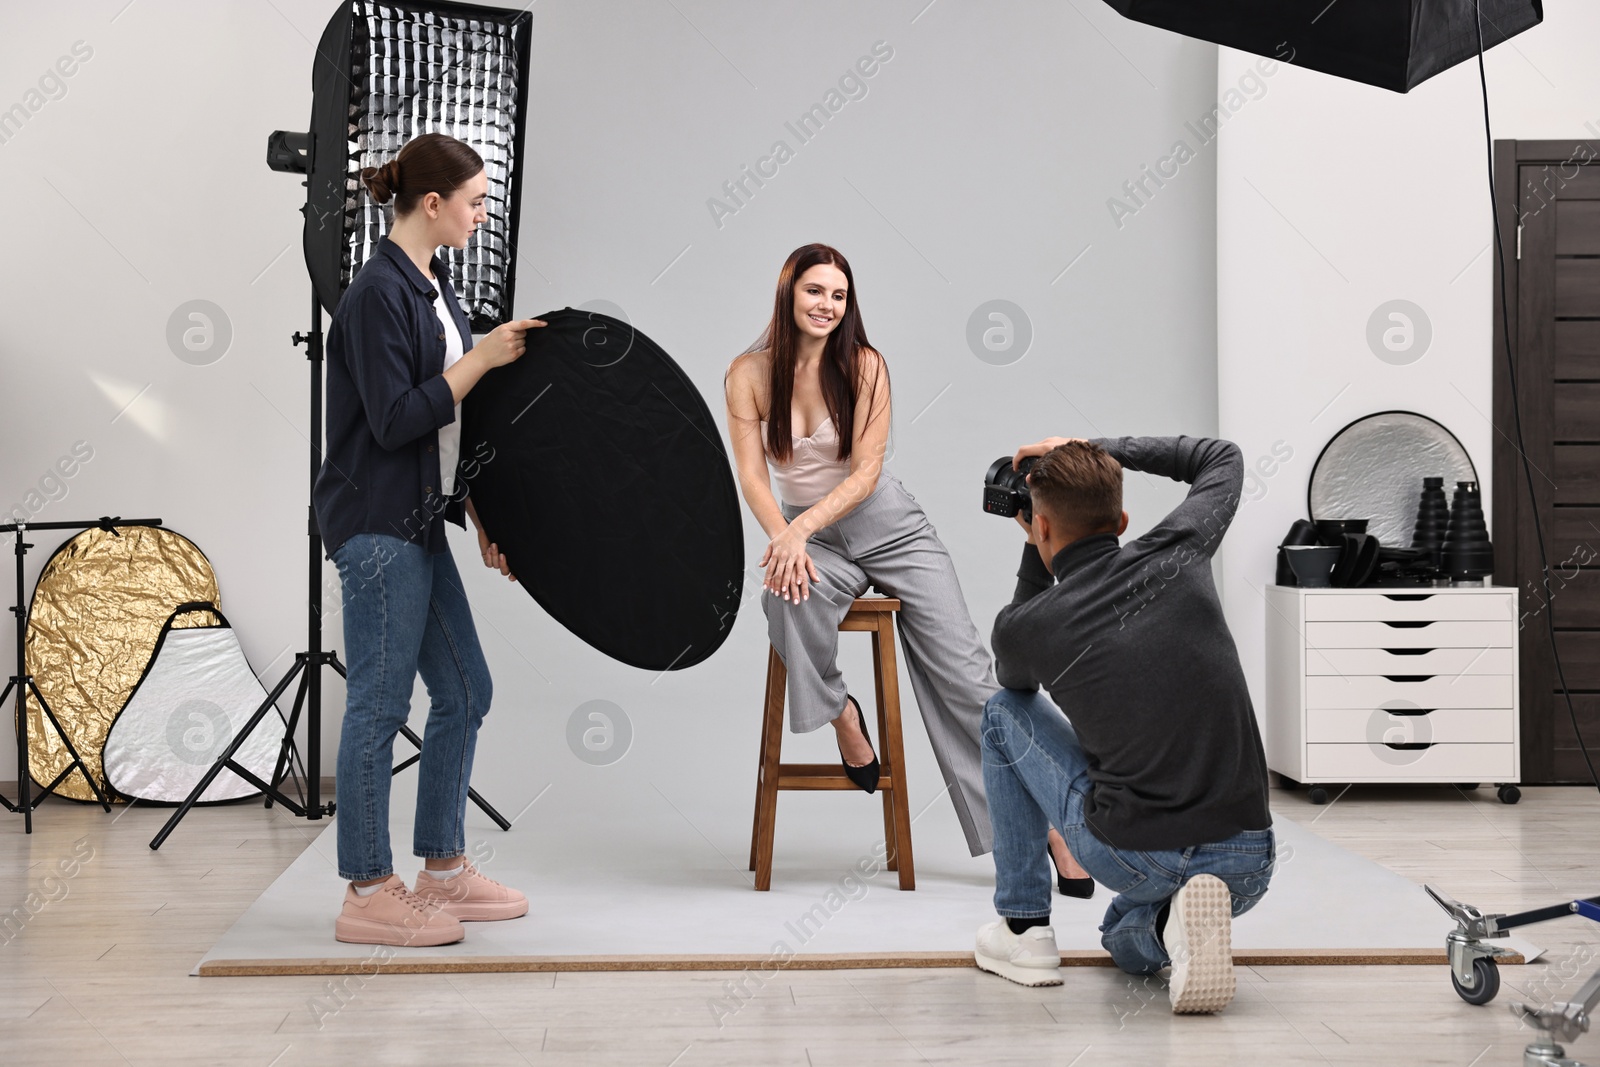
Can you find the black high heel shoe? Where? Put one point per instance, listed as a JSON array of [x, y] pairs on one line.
[[865, 776], [1082, 888]]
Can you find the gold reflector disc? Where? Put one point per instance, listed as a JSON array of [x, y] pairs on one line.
[[97, 609]]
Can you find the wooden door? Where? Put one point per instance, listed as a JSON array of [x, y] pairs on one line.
[[1550, 228]]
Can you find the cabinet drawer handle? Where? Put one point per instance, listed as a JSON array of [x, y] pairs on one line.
[[1408, 711], [1408, 677], [1407, 625], [1408, 651], [1407, 746], [1408, 596]]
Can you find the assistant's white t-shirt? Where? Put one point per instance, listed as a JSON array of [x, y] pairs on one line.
[[449, 436]]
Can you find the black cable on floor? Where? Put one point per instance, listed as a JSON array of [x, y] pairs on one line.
[[1516, 407]]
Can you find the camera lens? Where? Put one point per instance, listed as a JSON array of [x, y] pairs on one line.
[[1005, 489]]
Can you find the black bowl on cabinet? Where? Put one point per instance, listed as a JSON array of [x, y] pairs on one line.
[[1331, 532]]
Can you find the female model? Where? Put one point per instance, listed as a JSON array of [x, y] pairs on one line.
[[400, 358], [811, 398], [845, 521]]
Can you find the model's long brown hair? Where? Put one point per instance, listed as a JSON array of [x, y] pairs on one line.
[[840, 369]]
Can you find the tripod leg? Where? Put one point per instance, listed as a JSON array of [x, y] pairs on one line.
[[77, 760], [472, 794], [287, 747], [411, 735], [227, 757], [297, 770], [488, 809], [3, 801], [24, 772]]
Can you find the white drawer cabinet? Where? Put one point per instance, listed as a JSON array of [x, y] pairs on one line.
[[1392, 685]]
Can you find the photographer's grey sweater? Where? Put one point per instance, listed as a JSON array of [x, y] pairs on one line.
[[1131, 644]]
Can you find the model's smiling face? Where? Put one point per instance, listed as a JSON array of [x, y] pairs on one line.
[[821, 295]]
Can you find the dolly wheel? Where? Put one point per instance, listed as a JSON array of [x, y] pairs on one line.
[[1509, 794], [1467, 786], [1317, 795], [1485, 982]]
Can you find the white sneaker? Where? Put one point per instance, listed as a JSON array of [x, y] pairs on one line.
[[1029, 958], [1199, 938]]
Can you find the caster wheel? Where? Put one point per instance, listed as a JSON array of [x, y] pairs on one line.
[[1317, 795], [1485, 982], [1509, 794], [1464, 786]]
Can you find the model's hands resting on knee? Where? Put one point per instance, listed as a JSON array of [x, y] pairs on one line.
[[789, 570]]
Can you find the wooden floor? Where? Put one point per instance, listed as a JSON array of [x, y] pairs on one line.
[[97, 971]]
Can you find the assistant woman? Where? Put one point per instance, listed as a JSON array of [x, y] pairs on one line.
[[811, 399], [400, 357]]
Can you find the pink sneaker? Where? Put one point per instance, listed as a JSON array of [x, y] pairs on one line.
[[394, 916], [470, 896]]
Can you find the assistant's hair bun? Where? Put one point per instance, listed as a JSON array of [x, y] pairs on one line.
[[382, 182]]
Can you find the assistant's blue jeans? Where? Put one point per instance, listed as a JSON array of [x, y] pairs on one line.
[[405, 613], [1037, 775]]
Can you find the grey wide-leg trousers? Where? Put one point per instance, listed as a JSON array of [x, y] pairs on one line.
[[888, 542]]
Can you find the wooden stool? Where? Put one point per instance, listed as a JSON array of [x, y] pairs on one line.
[[875, 615]]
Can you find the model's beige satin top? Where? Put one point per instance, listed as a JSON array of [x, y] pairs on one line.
[[812, 471]]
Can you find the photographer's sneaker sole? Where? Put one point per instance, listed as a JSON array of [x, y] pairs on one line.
[[1199, 939], [1029, 976]]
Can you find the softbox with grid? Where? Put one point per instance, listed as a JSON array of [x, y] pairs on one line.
[[1393, 44], [597, 468], [385, 73]]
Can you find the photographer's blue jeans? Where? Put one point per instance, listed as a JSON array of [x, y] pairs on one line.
[[405, 613], [1037, 775]]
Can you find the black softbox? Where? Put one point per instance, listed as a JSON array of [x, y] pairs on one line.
[[1393, 44], [385, 72], [596, 467]]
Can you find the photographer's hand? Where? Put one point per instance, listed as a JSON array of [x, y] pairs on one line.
[[789, 570], [1039, 448], [1026, 528]]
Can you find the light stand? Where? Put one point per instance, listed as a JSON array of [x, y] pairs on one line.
[[311, 661], [22, 682]]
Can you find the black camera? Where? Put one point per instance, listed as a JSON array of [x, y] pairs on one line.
[[1005, 490]]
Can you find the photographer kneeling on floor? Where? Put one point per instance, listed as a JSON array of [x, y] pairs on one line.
[[1152, 768]]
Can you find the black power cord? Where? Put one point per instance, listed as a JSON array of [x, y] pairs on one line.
[[1516, 407]]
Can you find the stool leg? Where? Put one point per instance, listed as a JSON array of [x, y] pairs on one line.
[[761, 756], [889, 679], [892, 852], [767, 790]]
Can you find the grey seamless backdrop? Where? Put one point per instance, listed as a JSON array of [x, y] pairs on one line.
[[977, 163]]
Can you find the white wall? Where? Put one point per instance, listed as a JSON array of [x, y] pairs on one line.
[[1333, 198], [978, 166]]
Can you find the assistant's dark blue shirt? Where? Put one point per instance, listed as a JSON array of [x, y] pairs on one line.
[[387, 398]]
